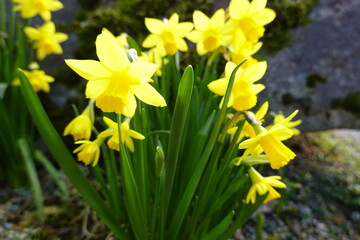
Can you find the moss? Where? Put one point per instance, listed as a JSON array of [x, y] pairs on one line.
[[289, 14], [314, 79], [351, 103]]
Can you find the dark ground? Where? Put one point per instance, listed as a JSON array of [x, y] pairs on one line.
[[322, 200]]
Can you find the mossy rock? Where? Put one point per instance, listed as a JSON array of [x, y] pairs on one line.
[[289, 14], [351, 103]]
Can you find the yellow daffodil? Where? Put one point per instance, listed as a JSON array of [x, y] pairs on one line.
[[154, 56], [247, 130], [270, 142], [261, 185], [114, 81], [89, 151], [286, 122], [243, 94], [168, 35], [38, 80], [45, 39], [207, 32], [248, 19], [80, 127], [126, 135], [30, 8], [242, 49]]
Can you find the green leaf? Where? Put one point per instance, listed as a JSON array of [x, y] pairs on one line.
[[33, 177], [3, 87], [52, 172], [133, 44], [185, 201], [176, 132], [219, 229], [65, 159]]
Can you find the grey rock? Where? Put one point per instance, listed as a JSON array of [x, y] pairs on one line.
[[327, 47]]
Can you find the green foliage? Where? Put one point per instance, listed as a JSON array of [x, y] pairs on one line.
[[289, 14]]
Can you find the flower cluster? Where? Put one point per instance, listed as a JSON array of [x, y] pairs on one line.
[[44, 39], [119, 79]]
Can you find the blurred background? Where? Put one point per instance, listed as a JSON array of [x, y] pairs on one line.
[[312, 49]]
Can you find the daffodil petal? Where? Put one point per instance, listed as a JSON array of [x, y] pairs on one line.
[[136, 135], [201, 21], [256, 6], [181, 44], [195, 36], [173, 21], [88, 69], [110, 123], [182, 29], [130, 107], [264, 17], [148, 94], [61, 37], [151, 41], [229, 68], [31, 32], [200, 49], [129, 144], [218, 19], [142, 70], [110, 53], [255, 72], [219, 86], [95, 88], [238, 8], [155, 26]]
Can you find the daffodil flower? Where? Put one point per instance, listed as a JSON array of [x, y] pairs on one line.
[[89, 151], [126, 135], [168, 35], [280, 119], [207, 33], [30, 8], [270, 142], [243, 94], [242, 49], [247, 130], [261, 185], [45, 40], [80, 127], [114, 81], [248, 19], [38, 80]]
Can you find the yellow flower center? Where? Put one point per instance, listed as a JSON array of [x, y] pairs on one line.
[[211, 43], [119, 84], [111, 104], [251, 30], [169, 42], [278, 154], [41, 5]]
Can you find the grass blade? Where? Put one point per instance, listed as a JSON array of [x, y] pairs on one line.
[[33, 177]]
